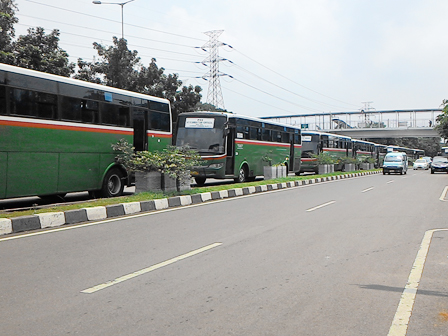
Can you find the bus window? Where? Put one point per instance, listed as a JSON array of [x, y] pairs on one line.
[[3, 100], [285, 137], [266, 135], [254, 133], [159, 121], [71, 109], [47, 107], [90, 111], [112, 114], [32, 83], [33, 104]]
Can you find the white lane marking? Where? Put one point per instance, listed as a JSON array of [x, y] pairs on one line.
[[148, 269], [442, 197], [403, 314], [368, 189], [321, 206], [392, 181]]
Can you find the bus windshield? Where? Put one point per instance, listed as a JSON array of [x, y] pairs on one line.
[[393, 158], [205, 135]]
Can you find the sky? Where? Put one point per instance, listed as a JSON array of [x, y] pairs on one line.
[[284, 57]]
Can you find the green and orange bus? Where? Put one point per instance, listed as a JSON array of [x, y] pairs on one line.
[[236, 146], [314, 143], [56, 133]]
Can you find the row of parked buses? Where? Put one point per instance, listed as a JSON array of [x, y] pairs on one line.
[[56, 135], [235, 146]]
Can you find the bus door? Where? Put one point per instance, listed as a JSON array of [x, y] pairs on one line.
[[230, 159], [140, 122], [291, 153]]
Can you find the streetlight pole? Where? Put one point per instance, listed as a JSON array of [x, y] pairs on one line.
[[115, 3]]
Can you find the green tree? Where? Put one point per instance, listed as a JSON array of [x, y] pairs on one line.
[[442, 121], [40, 51], [7, 32], [208, 107]]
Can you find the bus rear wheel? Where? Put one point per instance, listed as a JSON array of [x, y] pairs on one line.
[[112, 184]]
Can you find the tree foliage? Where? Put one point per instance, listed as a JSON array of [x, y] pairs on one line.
[[7, 32], [40, 51], [442, 121]]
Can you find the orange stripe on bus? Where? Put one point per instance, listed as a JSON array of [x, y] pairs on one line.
[[76, 128]]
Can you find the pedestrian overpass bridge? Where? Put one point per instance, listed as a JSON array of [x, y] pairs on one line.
[[368, 124]]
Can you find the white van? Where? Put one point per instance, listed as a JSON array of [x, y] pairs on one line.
[[395, 162]]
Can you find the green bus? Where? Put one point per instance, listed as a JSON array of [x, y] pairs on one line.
[[314, 142], [56, 133], [236, 146]]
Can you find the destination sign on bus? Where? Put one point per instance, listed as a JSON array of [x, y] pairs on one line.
[[306, 138], [199, 122]]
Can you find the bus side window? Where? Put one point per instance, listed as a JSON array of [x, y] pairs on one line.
[[71, 109], [112, 114], [285, 137], [266, 135], [3, 109], [297, 139], [159, 121], [253, 133], [90, 111], [46, 105], [22, 102]]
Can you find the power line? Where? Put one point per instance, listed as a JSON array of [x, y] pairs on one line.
[[285, 89], [106, 31], [277, 73], [101, 18], [276, 107]]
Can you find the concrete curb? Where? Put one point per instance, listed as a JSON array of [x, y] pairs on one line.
[[54, 219]]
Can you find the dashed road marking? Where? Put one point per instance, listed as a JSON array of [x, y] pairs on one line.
[[320, 206], [148, 269]]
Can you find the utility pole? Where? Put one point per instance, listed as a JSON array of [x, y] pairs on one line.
[[214, 94]]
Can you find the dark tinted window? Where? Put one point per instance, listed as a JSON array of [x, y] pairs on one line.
[[266, 135], [116, 115], [78, 91], [159, 121], [33, 104], [255, 133], [90, 113], [285, 137], [28, 82], [161, 107], [71, 109], [2, 100]]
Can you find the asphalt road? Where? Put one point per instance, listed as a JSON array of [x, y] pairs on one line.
[[326, 259]]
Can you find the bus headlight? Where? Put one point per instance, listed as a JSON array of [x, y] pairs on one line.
[[216, 165]]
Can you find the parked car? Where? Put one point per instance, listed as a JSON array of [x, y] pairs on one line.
[[439, 164], [395, 162], [421, 164]]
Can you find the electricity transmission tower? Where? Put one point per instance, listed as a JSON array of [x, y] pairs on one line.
[[214, 94]]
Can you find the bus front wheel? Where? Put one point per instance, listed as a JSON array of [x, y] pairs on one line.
[[113, 184], [242, 176], [200, 181]]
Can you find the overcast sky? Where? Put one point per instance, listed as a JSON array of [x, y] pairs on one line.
[[289, 56]]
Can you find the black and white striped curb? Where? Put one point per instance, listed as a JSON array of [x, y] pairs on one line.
[[54, 219]]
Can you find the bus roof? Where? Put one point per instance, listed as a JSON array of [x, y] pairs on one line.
[[67, 80], [230, 115]]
